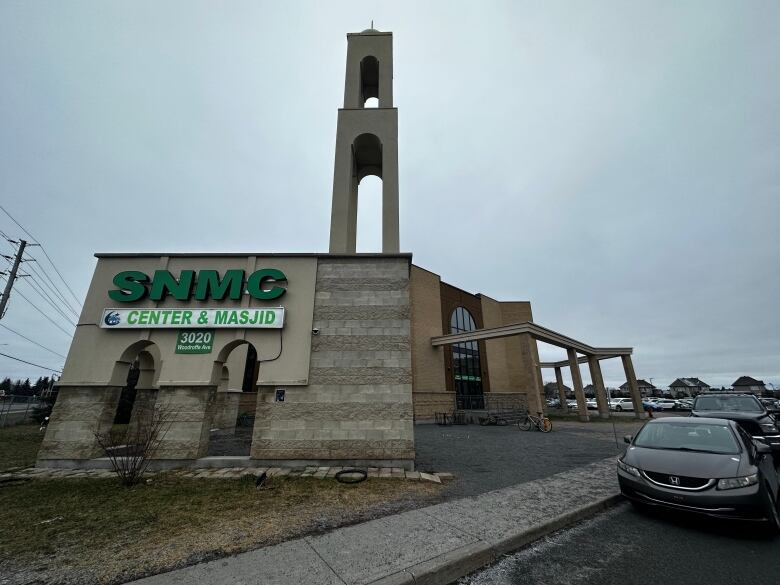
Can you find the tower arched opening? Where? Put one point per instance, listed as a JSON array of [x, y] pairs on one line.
[[369, 79]]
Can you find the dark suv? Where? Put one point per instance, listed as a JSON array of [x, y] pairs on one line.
[[746, 410]]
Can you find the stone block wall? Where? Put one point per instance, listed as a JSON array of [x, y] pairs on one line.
[[191, 412], [80, 412], [358, 404], [428, 403]]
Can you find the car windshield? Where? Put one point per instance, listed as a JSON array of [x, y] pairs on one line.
[[711, 438], [728, 404]]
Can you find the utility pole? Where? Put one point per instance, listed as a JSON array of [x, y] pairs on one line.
[[11, 277]]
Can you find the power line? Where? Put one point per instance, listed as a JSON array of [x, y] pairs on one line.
[[31, 341], [30, 363], [44, 253], [44, 314], [52, 287], [48, 299]]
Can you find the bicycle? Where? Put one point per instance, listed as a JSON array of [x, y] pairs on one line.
[[541, 423]]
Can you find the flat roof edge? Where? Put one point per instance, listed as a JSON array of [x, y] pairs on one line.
[[406, 255]]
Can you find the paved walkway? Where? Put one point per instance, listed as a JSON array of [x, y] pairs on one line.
[[433, 545]]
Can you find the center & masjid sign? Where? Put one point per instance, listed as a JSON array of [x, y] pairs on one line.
[[133, 286]]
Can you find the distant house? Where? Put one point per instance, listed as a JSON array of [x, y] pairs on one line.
[[645, 388], [551, 390], [688, 387], [748, 384]]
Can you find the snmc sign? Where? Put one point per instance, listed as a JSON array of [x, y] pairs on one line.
[[133, 285]]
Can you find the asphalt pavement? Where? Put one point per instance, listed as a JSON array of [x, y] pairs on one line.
[[626, 547], [485, 458]]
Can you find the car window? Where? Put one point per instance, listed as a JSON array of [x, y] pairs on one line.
[[729, 403], [690, 437]]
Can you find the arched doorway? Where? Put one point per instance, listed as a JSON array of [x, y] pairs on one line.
[[238, 369]]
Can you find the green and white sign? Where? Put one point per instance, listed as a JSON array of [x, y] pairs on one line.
[[193, 318], [195, 341]]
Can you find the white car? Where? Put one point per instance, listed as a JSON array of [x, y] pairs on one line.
[[620, 404], [571, 404], [664, 403], [591, 404]]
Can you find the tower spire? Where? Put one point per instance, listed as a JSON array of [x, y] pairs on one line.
[[366, 141]]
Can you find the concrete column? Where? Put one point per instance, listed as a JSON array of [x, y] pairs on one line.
[[561, 391], [598, 383], [576, 379], [79, 413], [636, 398], [190, 410], [535, 398]]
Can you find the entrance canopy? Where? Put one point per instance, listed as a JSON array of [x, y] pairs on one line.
[[591, 355]]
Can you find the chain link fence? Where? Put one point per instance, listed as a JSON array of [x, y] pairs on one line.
[[17, 410]]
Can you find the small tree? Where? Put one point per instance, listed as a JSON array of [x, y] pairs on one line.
[[130, 448]]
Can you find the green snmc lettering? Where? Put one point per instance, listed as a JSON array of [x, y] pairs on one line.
[[130, 285], [254, 284], [164, 283], [209, 282]]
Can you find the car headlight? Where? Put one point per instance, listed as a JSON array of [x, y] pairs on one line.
[[731, 483], [630, 469], [768, 427]]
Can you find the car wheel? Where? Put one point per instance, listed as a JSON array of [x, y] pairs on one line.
[[619, 408]]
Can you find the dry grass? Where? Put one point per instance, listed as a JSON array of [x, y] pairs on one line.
[[94, 531], [19, 446]]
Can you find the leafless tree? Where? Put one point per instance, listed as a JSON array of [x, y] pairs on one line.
[[130, 448]]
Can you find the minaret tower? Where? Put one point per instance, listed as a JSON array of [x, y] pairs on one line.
[[366, 141]]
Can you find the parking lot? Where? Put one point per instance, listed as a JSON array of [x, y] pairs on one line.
[[485, 458]]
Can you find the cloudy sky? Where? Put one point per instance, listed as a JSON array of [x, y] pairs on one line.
[[616, 163]]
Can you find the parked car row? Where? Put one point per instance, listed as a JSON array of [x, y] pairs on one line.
[[627, 404], [717, 462]]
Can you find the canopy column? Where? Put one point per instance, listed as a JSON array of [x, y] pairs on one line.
[[633, 387], [598, 383], [576, 379], [561, 391]]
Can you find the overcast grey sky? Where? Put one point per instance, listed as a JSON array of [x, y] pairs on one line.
[[616, 163]]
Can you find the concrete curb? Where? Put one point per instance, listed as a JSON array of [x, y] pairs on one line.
[[453, 565]]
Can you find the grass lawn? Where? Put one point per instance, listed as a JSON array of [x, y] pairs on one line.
[[94, 531], [19, 446]]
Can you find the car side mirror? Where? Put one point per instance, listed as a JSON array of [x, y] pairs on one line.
[[762, 448], [628, 438]]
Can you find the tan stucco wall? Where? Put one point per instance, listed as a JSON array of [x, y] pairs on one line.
[[94, 352]]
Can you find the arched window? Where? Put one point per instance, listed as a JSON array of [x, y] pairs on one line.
[[466, 367]]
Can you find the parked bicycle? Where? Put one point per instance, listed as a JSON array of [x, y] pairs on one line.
[[539, 422]]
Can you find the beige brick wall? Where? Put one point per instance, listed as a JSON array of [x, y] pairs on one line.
[[427, 362], [358, 404]]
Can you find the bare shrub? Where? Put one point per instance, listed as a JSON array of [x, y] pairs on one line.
[[131, 447]]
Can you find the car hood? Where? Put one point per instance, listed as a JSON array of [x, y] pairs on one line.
[[687, 463]]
